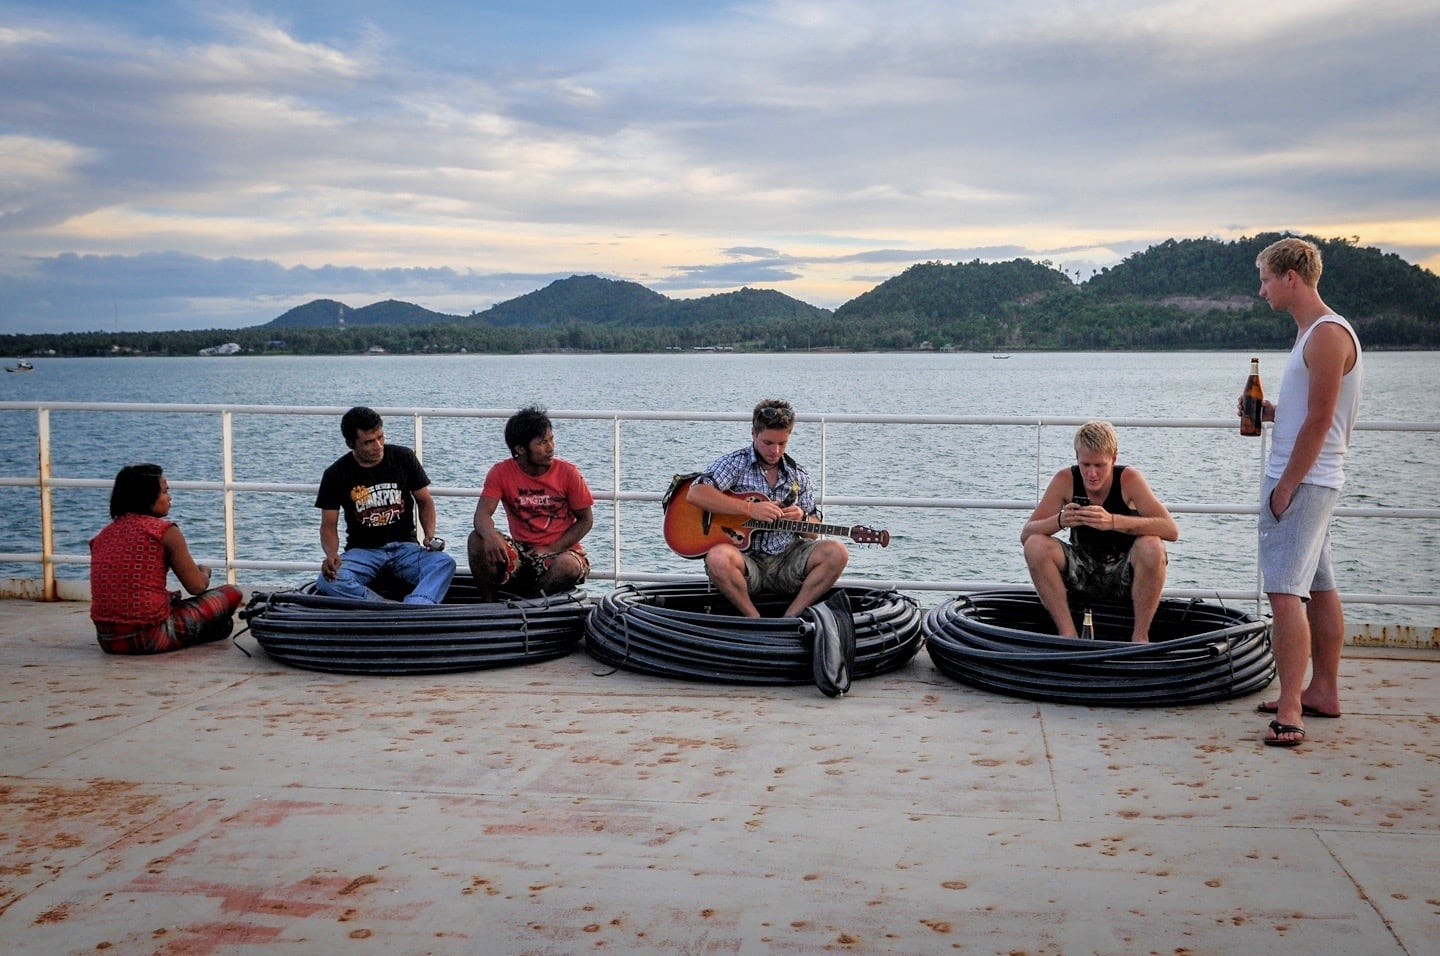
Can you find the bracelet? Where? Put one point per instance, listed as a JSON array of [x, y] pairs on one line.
[[1059, 525]]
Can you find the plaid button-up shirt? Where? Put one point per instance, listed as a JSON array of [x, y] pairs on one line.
[[743, 472]]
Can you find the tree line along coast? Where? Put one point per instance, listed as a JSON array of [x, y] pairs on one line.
[[1179, 294]]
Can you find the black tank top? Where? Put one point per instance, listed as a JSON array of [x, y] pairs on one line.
[[1111, 543]]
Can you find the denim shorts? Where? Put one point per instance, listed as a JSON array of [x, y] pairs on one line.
[[1295, 548]]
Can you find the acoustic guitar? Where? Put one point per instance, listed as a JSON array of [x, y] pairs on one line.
[[691, 531]]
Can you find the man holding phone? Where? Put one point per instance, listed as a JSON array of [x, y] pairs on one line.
[[1116, 549]]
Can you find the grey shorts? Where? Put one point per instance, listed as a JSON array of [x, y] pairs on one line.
[[781, 573], [1100, 577], [1295, 548]]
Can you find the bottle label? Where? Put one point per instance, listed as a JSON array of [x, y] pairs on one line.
[[1252, 409]]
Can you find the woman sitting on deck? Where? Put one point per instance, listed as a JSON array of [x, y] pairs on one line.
[[133, 611]]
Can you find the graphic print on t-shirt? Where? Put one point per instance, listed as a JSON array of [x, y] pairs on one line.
[[538, 507], [379, 505]]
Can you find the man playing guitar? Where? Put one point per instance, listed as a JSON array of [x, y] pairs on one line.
[[774, 488]]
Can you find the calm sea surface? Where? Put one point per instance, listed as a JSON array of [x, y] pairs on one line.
[[1186, 466]]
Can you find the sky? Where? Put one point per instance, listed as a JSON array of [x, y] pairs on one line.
[[211, 164]]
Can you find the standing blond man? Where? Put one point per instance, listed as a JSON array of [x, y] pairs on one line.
[[1318, 402]]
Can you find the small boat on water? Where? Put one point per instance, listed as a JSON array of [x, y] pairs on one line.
[[21, 366]]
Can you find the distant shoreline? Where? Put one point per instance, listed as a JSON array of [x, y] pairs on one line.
[[709, 353]]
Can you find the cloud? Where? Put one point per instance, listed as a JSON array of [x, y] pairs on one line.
[[162, 291], [686, 146]]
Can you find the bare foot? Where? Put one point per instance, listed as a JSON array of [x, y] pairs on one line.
[[1269, 706]]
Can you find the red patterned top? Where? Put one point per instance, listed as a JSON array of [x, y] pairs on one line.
[[128, 572]]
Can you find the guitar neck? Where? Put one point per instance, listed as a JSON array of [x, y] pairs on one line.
[[797, 527]]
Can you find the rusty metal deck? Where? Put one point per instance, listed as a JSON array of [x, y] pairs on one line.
[[208, 802]]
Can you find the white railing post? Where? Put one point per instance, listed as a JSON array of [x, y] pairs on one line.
[[227, 471], [1260, 481], [615, 500], [1039, 437], [824, 434], [47, 508]]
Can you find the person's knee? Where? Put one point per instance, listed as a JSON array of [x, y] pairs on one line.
[[234, 597], [722, 559], [1041, 550], [332, 587], [1147, 555], [566, 569], [830, 554], [437, 566], [1286, 606], [1044, 559]]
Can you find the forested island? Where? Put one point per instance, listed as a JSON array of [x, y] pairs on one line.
[[1180, 294]]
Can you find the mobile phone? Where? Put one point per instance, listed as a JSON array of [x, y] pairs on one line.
[[1081, 500]]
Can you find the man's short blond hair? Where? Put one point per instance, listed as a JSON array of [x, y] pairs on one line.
[[1097, 436], [1299, 255]]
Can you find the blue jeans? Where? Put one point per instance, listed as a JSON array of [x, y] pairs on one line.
[[428, 572]]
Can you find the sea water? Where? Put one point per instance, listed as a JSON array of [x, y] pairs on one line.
[[1185, 466]]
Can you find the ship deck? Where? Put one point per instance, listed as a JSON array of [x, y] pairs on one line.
[[210, 802]]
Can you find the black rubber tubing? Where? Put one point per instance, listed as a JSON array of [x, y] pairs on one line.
[[684, 631], [344, 636], [1004, 641]]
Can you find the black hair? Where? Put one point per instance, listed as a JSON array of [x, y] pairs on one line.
[[359, 419], [137, 488], [525, 426]]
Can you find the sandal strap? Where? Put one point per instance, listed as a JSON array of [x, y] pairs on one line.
[[1280, 728]]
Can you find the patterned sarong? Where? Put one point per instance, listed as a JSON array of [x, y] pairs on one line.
[[209, 616]]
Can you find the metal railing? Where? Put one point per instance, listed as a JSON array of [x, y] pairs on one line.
[[47, 482]]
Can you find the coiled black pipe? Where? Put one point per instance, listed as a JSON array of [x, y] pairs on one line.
[[1004, 641], [342, 636], [689, 631]]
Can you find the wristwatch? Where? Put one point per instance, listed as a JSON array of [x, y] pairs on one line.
[[436, 543]]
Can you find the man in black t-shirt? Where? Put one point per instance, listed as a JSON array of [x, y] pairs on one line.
[[380, 490]]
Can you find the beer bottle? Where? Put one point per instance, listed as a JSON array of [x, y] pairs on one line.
[[1087, 629], [1252, 403]]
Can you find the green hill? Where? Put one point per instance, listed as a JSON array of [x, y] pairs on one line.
[[968, 305], [1193, 293], [581, 299], [1179, 294], [327, 313]]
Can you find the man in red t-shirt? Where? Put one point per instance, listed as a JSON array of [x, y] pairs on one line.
[[548, 506]]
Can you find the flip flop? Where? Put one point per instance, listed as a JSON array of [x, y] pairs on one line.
[[1268, 707], [1278, 728]]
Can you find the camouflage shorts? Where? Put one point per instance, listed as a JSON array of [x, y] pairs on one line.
[[526, 566], [1102, 577], [782, 573]]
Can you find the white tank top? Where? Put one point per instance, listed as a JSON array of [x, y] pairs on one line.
[[1291, 406]]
